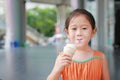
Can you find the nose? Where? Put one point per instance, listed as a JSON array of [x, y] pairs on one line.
[[79, 32]]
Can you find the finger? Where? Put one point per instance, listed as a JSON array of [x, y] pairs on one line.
[[68, 55], [66, 58], [66, 62]]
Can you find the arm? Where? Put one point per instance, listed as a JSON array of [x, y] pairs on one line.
[[105, 74], [61, 61], [54, 75]]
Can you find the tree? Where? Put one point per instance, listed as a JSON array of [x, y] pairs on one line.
[[43, 20]]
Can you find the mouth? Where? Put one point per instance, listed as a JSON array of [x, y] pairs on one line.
[[79, 41]]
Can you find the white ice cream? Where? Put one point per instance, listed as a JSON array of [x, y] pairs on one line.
[[69, 49]]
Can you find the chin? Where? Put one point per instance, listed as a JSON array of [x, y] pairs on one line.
[[79, 46]]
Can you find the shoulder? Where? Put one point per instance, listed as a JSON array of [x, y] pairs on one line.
[[99, 53]]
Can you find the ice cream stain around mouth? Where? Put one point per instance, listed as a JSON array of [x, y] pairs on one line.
[[78, 41]]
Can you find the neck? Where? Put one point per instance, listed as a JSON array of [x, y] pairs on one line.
[[83, 53], [84, 49]]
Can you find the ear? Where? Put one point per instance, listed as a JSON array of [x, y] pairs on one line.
[[94, 32], [67, 33]]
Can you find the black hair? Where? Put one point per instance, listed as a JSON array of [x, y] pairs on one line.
[[77, 12]]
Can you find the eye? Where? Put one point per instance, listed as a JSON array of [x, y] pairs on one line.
[[73, 28], [84, 28]]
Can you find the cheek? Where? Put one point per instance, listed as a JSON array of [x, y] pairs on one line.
[[87, 32], [88, 35], [71, 37]]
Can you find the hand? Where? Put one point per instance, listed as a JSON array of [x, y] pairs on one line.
[[62, 60]]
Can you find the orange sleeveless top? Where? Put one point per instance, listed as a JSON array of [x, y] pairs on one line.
[[90, 69]]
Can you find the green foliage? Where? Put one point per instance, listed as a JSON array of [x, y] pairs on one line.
[[43, 20]]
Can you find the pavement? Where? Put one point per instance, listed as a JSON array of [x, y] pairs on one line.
[[35, 63]]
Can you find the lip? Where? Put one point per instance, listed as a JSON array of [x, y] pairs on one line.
[[79, 40]]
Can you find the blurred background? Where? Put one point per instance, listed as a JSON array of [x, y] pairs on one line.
[[32, 34]]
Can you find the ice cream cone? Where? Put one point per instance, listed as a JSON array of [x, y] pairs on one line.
[[69, 49]]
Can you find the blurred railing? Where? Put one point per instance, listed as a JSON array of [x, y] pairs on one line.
[[33, 35]]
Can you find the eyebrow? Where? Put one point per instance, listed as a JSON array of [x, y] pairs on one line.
[[72, 25], [80, 26]]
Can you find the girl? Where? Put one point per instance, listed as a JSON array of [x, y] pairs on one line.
[[86, 63]]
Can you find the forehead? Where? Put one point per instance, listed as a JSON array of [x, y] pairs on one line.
[[81, 18]]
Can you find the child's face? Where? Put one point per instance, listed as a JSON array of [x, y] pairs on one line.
[[80, 30]]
